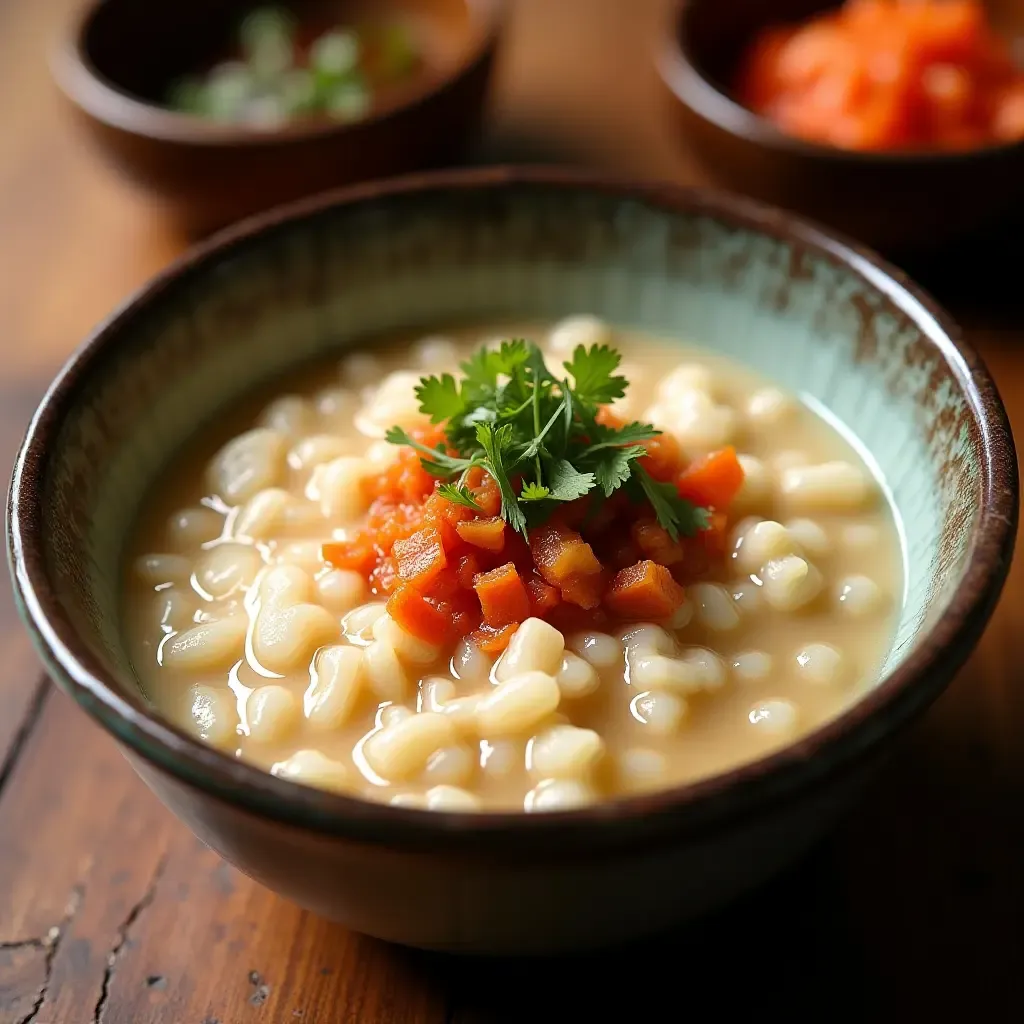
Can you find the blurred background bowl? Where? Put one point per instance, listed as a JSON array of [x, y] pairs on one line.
[[120, 56], [901, 203]]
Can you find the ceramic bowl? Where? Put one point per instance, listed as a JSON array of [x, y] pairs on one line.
[[813, 313], [119, 56], [905, 204]]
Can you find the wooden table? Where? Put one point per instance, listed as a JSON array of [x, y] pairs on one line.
[[111, 912]]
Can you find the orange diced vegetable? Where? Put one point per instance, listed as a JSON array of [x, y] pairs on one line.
[[494, 641], [467, 569], [503, 597], [560, 553], [654, 542], [662, 458], [543, 597], [415, 614], [712, 481], [714, 538], [384, 577], [488, 534], [644, 591], [358, 555], [586, 590], [883, 75], [421, 557]]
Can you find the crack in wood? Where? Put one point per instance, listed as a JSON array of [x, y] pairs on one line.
[[122, 939], [50, 943], [28, 723]]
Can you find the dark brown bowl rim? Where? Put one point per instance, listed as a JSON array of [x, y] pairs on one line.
[[89, 89], [680, 72], [751, 790]]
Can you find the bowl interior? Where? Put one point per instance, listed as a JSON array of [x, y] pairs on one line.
[[140, 49], [746, 285], [713, 38]]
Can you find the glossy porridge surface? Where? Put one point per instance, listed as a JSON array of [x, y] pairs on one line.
[[242, 634]]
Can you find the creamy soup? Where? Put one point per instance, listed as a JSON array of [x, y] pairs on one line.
[[260, 580]]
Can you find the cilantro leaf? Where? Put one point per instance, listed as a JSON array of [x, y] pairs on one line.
[[439, 398], [566, 483], [460, 495], [484, 366], [612, 467], [447, 464], [675, 514], [534, 492], [497, 444], [609, 437], [592, 371], [531, 431]]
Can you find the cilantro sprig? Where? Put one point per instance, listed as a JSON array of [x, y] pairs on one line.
[[539, 438]]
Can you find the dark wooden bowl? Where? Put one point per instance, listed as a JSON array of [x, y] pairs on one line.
[[120, 55], [901, 203]]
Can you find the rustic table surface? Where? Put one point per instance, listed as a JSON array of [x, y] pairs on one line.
[[110, 911]]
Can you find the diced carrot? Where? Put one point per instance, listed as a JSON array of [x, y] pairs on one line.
[[644, 591], [503, 597], [712, 481], [444, 585], [384, 577], [607, 418], [491, 640], [583, 589], [421, 557], [654, 542], [488, 534], [358, 555], [404, 480], [415, 614], [467, 569], [663, 457], [543, 596], [714, 538], [464, 611], [445, 516], [560, 553]]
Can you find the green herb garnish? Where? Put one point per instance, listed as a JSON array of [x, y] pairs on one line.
[[539, 438]]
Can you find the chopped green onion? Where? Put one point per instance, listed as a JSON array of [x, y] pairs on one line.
[[334, 55], [349, 101], [228, 89]]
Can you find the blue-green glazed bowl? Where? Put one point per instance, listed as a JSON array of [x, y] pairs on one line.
[[814, 313]]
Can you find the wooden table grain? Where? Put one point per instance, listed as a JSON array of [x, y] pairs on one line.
[[112, 913]]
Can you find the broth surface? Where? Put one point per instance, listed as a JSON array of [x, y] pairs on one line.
[[773, 662]]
